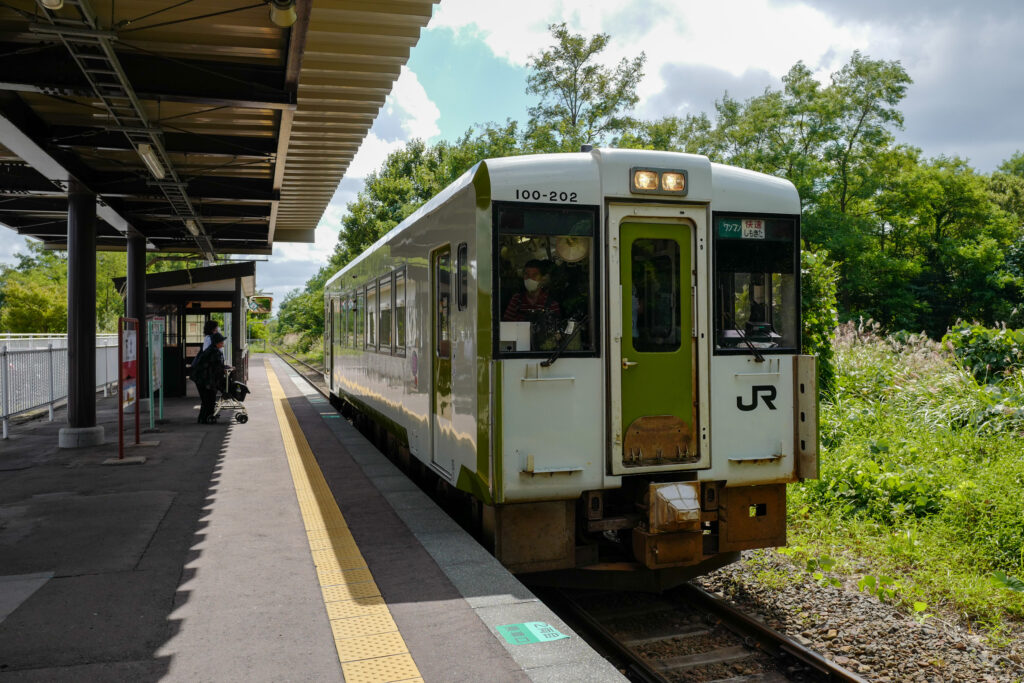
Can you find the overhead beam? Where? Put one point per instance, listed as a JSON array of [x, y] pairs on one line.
[[23, 144], [115, 187], [175, 143], [52, 71]]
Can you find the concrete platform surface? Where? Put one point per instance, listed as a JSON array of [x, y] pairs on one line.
[[200, 563]]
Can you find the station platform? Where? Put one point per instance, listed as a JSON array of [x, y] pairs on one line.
[[284, 549]]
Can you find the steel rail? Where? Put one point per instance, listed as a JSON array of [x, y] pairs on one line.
[[319, 371], [767, 639], [635, 665]]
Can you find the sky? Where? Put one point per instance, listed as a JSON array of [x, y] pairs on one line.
[[966, 61]]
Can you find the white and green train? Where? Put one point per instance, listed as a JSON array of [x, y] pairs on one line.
[[602, 349]]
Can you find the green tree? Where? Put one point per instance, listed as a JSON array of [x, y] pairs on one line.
[[34, 293], [580, 100], [818, 312], [943, 244], [862, 101], [1014, 165]]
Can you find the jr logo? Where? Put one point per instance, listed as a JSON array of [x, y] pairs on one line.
[[768, 392]]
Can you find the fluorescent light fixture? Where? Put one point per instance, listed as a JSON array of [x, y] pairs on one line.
[[149, 158], [192, 227], [52, 4], [282, 12]]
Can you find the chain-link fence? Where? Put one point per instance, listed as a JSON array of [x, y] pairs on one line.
[[34, 372]]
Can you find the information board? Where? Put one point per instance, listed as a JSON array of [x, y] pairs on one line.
[[129, 367], [156, 352]]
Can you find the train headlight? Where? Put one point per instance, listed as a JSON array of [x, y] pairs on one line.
[[673, 182], [657, 181], [645, 180]]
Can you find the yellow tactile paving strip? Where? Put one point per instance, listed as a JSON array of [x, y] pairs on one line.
[[369, 645]]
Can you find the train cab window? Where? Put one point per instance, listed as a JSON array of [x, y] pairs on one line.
[[757, 291], [400, 312], [546, 280], [462, 264], [384, 328]]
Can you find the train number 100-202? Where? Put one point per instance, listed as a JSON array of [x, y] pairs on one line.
[[546, 195]]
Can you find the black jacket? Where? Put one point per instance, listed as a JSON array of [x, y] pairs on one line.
[[208, 368]]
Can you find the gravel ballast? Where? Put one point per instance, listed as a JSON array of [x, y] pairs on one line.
[[858, 631]]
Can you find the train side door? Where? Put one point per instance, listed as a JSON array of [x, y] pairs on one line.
[[655, 364], [441, 407]]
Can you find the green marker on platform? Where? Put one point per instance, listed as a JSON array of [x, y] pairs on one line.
[[530, 632]]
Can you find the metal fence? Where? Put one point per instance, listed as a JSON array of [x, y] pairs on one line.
[[17, 341], [257, 345], [34, 372]]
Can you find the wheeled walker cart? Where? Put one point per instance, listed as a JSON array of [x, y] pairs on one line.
[[231, 397]]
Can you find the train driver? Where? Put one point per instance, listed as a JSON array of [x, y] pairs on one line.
[[534, 301]]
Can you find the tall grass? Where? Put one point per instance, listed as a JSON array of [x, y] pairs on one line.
[[922, 473]]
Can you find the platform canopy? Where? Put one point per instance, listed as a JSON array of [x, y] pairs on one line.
[[204, 125]]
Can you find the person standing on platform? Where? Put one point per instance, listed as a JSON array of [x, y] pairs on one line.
[[208, 374], [209, 329]]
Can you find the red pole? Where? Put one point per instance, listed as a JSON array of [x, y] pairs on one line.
[[120, 389], [138, 387]]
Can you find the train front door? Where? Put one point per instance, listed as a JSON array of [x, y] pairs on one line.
[[441, 357], [657, 423]]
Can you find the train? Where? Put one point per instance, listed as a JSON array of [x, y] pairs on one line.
[[599, 350]]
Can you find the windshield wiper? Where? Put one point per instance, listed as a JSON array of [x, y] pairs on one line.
[[743, 337], [565, 343]]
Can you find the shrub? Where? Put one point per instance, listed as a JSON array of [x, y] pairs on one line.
[[818, 276], [989, 353], [921, 473]]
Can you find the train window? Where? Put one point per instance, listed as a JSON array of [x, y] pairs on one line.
[[400, 312], [384, 328], [757, 292], [463, 270], [444, 297], [347, 330], [358, 306], [546, 280], [656, 295], [371, 316], [336, 328]]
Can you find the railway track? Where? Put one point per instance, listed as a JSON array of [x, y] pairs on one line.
[[311, 373], [688, 634], [685, 634]]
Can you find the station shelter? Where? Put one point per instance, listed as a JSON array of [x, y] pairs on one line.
[[158, 126], [186, 299]]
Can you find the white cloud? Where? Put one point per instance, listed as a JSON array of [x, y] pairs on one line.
[[10, 244], [420, 112], [371, 155], [770, 37]]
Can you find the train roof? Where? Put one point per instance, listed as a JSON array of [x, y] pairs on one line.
[[727, 188]]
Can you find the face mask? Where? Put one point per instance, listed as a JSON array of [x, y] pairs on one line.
[[531, 285]]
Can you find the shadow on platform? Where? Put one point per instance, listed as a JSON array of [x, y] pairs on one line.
[[91, 556]]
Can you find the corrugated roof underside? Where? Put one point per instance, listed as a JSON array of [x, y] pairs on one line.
[[354, 52]]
